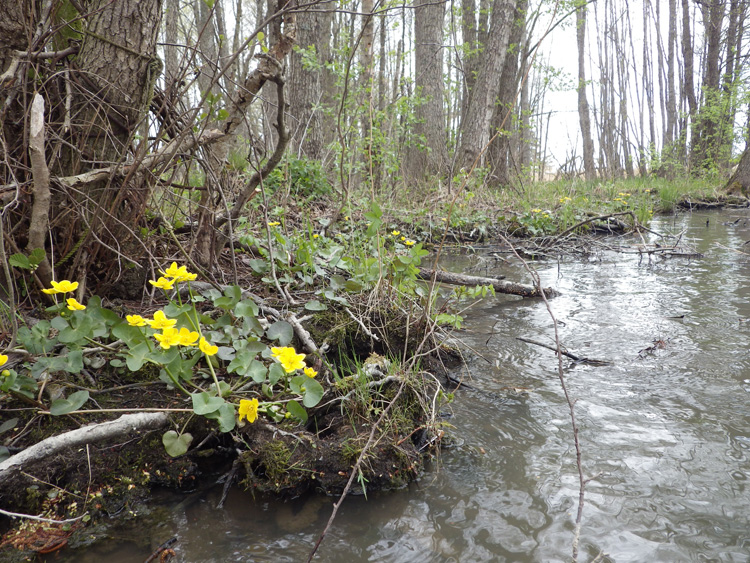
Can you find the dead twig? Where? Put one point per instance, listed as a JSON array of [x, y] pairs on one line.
[[355, 469]]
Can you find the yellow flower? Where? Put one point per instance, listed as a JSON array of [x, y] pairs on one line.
[[403, 238], [178, 274], [187, 337], [162, 283], [206, 347], [395, 233], [537, 210], [316, 235], [161, 321], [135, 320], [310, 372], [249, 410], [74, 305], [274, 224], [289, 359], [63, 286], [409, 243], [346, 218], [168, 338], [3, 359]]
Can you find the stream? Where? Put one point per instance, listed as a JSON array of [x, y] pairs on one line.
[[664, 429]]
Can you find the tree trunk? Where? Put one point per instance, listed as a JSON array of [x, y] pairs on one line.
[[310, 129], [589, 166], [475, 129], [739, 183], [506, 115], [705, 151], [428, 153], [118, 69]]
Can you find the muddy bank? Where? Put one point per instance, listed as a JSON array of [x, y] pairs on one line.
[[375, 417]]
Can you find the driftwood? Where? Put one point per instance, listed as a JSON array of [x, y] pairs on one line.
[[564, 352], [499, 285], [88, 434]]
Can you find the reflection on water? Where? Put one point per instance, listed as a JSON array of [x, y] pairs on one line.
[[666, 434]]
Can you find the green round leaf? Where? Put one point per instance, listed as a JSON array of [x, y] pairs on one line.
[[281, 331], [203, 403], [315, 305], [297, 411], [74, 402], [176, 444]]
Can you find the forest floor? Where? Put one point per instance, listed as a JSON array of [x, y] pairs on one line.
[[350, 300]]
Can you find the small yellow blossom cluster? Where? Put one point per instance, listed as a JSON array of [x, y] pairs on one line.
[[564, 199], [622, 197], [537, 210], [274, 224], [65, 286], [170, 336], [172, 275], [291, 361]]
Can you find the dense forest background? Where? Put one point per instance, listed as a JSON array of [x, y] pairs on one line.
[[123, 115]]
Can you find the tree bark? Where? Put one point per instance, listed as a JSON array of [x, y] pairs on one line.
[[428, 153], [310, 130], [584, 119], [506, 117], [118, 68], [739, 183], [475, 129]]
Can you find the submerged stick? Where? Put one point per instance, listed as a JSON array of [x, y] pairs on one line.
[[499, 285], [564, 352]]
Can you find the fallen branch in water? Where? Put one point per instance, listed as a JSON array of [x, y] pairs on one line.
[[564, 352], [499, 285], [87, 435]]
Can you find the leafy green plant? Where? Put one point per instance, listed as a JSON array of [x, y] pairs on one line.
[[180, 343]]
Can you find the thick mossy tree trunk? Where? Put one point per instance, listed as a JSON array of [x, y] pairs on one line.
[[92, 76], [112, 81], [739, 183]]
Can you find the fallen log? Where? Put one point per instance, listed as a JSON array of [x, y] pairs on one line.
[[124, 425], [498, 284]]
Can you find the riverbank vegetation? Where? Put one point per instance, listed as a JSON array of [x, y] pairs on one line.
[[215, 234]]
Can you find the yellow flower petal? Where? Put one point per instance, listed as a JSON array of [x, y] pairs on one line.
[[162, 283], [74, 305], [3, 359], [168, 338], [161, 321], [63, 286], [249, 410], [310, 372], [206, 347], [135, 320], [187, 337]]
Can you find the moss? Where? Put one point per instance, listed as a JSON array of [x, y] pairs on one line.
[[275, 458]]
